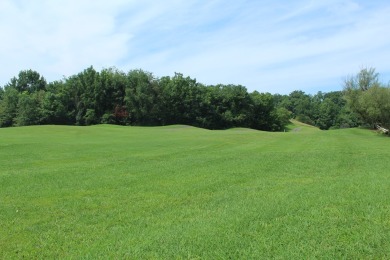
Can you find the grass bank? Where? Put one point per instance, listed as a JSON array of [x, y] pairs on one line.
[[182, 192]]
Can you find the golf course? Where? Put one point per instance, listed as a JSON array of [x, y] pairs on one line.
[[181, 192]]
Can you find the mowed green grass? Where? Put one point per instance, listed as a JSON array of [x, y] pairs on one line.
[[180, 192]]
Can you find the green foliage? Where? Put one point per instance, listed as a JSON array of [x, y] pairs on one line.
[[178, 192], [113, 95], [263, 113], [368, 98], [8, 107], [139, 98], [363, 81], [28, 80], [376, 101], [108, 118], [324, 110], [136, 98], [56, 107], [90, 117], [181, 100], [143, 97], [300, 104], [232, 103], [29, 110], [283, 116]]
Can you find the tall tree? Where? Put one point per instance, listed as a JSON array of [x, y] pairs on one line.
[[143, 98], [112, 96], [28, 80], [84, 89], [57, 107], [136, 97], [368, 98], [180, 99], [327, 114], [29, 110], [262, 108], [8, 106], [301, 107]]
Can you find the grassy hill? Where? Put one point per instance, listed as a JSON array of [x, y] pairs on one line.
[[183, 192]]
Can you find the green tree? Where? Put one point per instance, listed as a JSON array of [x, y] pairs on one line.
[[84, 89], [364, 80], [376, 103], [181, 100], [28, 80], [143, 98], [112, 96], [56, 105], [137, 97], [283, 117], [327, 114], [8, 106], [300, 105], [236, 105], [368, 98], [29, 109], [331, 111], [263, 114]]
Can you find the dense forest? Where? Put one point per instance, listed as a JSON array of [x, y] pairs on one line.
[[137, 97]]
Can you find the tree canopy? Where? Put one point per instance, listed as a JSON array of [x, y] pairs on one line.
[[133, 98], [137, 97], [369, 98]]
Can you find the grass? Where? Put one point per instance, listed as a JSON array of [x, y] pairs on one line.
[[180, 192]]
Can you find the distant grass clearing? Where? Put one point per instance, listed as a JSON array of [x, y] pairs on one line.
[[183, 192]]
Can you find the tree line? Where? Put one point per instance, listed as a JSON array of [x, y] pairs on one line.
[[364, 101], [324, 110], [369, 98], [134, 98], [138, 97]]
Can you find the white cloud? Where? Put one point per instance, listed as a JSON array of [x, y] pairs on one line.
[[265, 45], [59, 37], [264, 53]]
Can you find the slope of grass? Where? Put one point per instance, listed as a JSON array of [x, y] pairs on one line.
[[182, 192], [297, 126]]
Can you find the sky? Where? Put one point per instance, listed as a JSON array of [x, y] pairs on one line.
[[268, 46]]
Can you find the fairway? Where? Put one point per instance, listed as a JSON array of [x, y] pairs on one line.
[[180, 192]]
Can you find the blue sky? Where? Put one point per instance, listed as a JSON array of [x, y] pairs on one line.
[[268, 46]]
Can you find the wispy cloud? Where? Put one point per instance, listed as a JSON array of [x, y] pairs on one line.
[[58, 37], [274, 46]]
